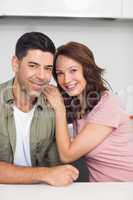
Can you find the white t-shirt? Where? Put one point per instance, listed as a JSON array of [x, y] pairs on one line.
[[23, 120]]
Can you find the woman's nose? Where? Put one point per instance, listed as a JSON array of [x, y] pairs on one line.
[[67, 78]]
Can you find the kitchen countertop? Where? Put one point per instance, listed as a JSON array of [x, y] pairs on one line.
[[76, 191]]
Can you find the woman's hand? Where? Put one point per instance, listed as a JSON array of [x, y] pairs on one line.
[[54, 97]]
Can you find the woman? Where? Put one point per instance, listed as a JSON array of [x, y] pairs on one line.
[[102, 127]]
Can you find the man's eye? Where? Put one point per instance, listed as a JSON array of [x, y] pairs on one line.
[[48, 69], [32, 66]]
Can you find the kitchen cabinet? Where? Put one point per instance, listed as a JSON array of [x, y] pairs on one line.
[[127, 11], [62, 8]]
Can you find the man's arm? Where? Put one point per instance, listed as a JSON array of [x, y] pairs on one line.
[[56, 176]]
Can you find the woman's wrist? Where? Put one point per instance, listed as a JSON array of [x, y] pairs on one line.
[[60, 109]]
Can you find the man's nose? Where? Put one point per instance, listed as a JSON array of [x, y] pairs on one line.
[[41, 74]]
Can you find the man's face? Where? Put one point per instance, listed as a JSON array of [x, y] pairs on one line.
[[33, 71]]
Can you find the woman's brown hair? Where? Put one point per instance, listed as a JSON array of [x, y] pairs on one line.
[[92, 74]]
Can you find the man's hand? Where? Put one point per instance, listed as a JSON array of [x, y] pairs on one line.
[[62, 175]]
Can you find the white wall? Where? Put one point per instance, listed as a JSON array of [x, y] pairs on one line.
[[110, 40]]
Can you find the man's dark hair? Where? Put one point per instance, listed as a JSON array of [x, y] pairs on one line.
[[33, 40]]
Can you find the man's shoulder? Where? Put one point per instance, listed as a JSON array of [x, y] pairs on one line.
[[5, 89], [5, 84], [45, 106]]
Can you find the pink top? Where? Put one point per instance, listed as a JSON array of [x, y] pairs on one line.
[[112, 160]]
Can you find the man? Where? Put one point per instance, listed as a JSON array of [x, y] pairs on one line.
[[28, 152]]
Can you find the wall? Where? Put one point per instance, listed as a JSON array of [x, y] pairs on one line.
[[110, 40]]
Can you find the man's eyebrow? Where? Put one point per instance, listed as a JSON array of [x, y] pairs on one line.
[[31, 62], [35, 63]]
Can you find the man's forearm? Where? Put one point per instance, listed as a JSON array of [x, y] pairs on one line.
[[57, 176], [12, 174]]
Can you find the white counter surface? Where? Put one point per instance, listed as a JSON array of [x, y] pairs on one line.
[[76, 191]]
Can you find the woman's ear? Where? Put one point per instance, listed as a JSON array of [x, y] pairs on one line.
[[15, 64]]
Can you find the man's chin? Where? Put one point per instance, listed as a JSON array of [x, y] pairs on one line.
[[34, 93]]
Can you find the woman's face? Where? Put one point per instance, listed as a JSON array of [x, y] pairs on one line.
[[70, 75]]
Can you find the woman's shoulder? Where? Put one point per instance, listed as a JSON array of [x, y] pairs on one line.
[[108, 97], [108, 111], [108, 103]]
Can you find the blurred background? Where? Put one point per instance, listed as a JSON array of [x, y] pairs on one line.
[[105, 26]]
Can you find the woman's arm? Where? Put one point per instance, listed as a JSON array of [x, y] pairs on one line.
[[87, 139]]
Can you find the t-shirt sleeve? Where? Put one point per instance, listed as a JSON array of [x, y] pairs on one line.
[[107, 112]]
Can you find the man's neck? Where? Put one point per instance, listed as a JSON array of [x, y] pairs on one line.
[[24, 102], [24, 105]]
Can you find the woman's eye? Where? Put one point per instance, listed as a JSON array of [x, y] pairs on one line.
[[73, 70], [59, 73]]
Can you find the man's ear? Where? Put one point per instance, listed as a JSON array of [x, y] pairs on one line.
[[15, 64]]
